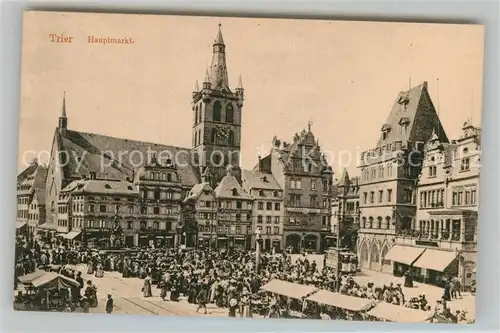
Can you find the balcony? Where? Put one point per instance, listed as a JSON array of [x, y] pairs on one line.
[[445, 240]]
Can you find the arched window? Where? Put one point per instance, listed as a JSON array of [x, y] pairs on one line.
[[213, 135], [363, 222], [195, 138], [379, 222], [381, 171], [196, 115], [229, 113], [217, 111], [370, 222], [388, 222], [230, 138], [200, 115], [200, 139]]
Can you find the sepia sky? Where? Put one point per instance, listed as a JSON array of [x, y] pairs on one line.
[[343, 76]]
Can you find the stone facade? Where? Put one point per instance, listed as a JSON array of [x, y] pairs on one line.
[[389, 175], [301, 171]]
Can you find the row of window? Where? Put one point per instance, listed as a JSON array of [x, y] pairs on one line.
[[165, 177], [379, 223], [226, 229], [325, 220], [383, 171], [22, 214], [295, 200], [23, 201], [269, 206], [432, 198], [235, 205], [380, 197], [464, 198], [296, 184], [33, 216], [262, 193], [235, 217], [217, 115], [157, 195], [260, 219]]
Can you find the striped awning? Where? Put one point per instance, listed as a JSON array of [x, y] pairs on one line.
[[404, 254], [437, 260]]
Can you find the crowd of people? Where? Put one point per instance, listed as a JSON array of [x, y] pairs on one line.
[[226, 278]]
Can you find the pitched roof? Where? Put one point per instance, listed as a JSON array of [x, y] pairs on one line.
[[227, 185], [102, 187], [344, 179], [40, 196], [415, 108], [197, 189], [26, 172], [253, 179], [33, 181], [117, 158]]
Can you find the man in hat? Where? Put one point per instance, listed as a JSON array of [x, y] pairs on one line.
[[109, 304]]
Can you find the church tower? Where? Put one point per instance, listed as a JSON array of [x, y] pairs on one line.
[[217, 118], [63, 119]]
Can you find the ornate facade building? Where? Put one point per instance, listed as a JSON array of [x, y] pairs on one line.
[[302, 172], [345, 212], [444, 237], [205, 213], [389, 175]]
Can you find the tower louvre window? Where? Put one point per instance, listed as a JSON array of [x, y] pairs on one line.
[[229, 113], [217, 111]]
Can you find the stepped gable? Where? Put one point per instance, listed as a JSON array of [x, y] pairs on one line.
[[91, 148]]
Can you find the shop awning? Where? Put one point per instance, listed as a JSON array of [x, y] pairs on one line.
[[398, 313], [25, 279], [404, 254], [341, 301], [436, 260], [288, 289], [54, 281], [222, 238], [20, 224], [71, 235]]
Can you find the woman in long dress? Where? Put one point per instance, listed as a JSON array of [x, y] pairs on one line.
[[246, 305], [99, 273], [146, 289], [90, 269], [233, 306]]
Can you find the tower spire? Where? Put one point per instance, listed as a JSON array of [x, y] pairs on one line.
[[240, 82], [218, 68], [63, 119]]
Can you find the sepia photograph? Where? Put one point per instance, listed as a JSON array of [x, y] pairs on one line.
[[248, 167]]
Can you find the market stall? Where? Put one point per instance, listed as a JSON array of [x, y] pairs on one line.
[[288, 289], [45, 291], [337, 300], [397, 313]]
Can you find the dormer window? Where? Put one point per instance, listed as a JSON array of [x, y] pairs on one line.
[[275, 193], [261, 193], [107, 186], [404, 99], [130, 187], [264, 179], [235, 192]]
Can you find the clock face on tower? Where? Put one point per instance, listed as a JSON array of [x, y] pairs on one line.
[[222, 132]]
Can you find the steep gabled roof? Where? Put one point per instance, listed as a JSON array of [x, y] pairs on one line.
[[197, 189], [415, 109], [344, 179], [253, 179], [229, 188], [89, 152], [102, 187], [26, 172]]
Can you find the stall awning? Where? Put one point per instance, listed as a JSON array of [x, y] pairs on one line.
[[48, 226], [288, 289], [25, 279], [71, 235], [398, 313], [20, 224], [404, 254], [341, 301], [53, 280], [436, 260]]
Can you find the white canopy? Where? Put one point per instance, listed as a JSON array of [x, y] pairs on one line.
[[341, 301], [288, 289], [398, 313]]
